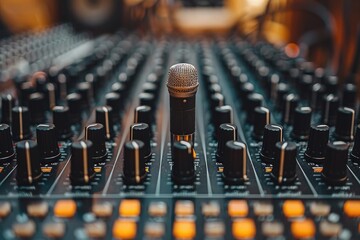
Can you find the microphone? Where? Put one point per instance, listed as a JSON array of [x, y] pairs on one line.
[[182, 86]]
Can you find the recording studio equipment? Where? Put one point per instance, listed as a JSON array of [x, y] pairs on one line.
[[129, 136]]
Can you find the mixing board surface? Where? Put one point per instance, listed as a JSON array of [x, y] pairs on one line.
[[273, 155]]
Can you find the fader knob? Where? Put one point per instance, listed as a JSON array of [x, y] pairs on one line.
[[355, 153], [335, 165], [143, 114], [82, 166], [349, 95], [284, 166], [96, 134], [141, 131], [227, 132], [20, 126], [318, 139], [302, 121], [134, 162], [183, 171], [62, 122], [223, 114], [272, 134], [103, 116], [253, 100], [7, 103], [344, 127], [329, 109], [37, 107], [114, 101], [291, 102], [261, 118], [6, 147], [75, 107], [235, 162], [27, 156], [47, 142]]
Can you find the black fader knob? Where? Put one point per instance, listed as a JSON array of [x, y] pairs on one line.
[[47, 143], [183, 171], [217, 100], [143, 114], [272, 134], [37, 107], [235, 162], [7, 103], [82, 165], [344, 127], [253, 100], [96, 134], [134, 162], [335, 165], [329, 109], [261, 119], [223, 114], [291, 102], [27, 156], [114, 101], [349, 95], [302, 121], [141, 131], [62, 123], [75, 107], [284, 167], [318, 140], [227, 132], [103, 116], [6, 147], [20, 126], [355, 153]]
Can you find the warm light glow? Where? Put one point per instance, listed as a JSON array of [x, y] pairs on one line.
[[292, 50], [256, 3]]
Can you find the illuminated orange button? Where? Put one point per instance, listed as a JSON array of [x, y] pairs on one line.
[[123, 229], [244, 229], [303, 229], [293, 208], [184, 229], [352, 208], [238, 208], [130, 208], [65, 208]]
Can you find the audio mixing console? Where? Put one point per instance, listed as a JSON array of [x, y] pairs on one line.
[[87, 151]]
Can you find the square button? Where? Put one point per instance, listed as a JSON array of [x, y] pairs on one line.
[[54, 229], [154, 229], [102, 209], [184, 208], [184, 229], [214, 229], [5, 209], [130, 208], [65, 208], [238, 208], [38, 209], [95, 229], [157, 209], [263, 208], [24, 230], [124, 229], [293, 208], [211, 209], [244, 228]]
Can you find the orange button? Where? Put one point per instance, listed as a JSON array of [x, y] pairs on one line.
[[293, 208], [244, 228], [130, 208], [124, 229], [352, 208], [238, 208], [303, 229], [184, 229], [65, 208]]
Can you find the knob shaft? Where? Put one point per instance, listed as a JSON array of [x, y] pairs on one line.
[[61, 121], [141, 131], [344, 127], [235, 162], [82, 166], [318, 140], [134, 162], [47, 142], [355, 153], [183, 171], [335, 165], [103, 116], [284, 169], [272, 134], [7, 152], [261, 118], [227, 132], [7, 103], [28, 170], [20, 123], [96, 134], [302, 120]]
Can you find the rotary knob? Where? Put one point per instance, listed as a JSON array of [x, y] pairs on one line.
[[227, 132], [329, 109], [147, 99], [344, 127], [20, 123], [47, 142], [284, 167], [318, 139], [6, 147], [75, 107], [103, 116], [114, 101], [302, 120], [134, 162], [62, 123], [141, 131], [143, 114], [28, 170], [261, 119], [37, 107], [235, 162], [183, 171], [96, 134], [349, 95], [82, 166], [291, 102], [272, 134], [7, 103], [355, 153], [223, 114]]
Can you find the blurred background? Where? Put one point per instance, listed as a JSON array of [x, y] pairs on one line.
[[326, 32]]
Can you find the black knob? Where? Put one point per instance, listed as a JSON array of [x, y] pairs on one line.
[[318, 140], [26, 89], [317, 93], [141, 131], [114, 101], [332, 84], [284, 167], [118, 87], [20, 126], [84, 89], [82, 165], [96, 134], [302, 121], [50, 95], [28, 165], [282, 90], [329, 109], [253, 100], [147, 99], [6, 147], [61, 121], [183, 171], [345, 121], [355, 153], [103, 116], [235, 162], [75, 107], [7, 103], [134, 162], [335, 165], [349, 95], [291, 102], [272, 134], [214, 88], [217, 100], [37, 107], [143, 114], [245, 90], [46, 136], [261, 118], [227, 132], [223, 114], [305, 85], [149, 87]]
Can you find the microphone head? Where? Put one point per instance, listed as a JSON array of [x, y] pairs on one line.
[[183, 80]]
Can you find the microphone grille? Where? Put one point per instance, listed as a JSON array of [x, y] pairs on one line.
[[182, 80]]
